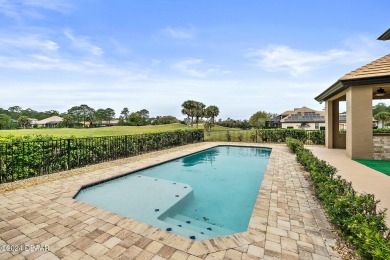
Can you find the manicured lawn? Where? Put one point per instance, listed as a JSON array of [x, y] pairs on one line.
[[380, 166], [100, 131]]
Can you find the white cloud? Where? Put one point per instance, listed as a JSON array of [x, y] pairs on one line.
[[179, 33], [297, 62], [82, 43], [186, 67], [40, 62], [196, 68], [28, 42], [19, 9]]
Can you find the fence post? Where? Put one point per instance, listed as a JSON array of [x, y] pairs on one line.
[[256, 135], [68, 151]]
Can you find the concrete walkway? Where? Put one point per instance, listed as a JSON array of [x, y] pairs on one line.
[[45, 222], [363, 178]]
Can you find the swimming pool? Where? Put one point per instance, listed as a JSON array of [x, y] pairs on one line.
[[200, 196]]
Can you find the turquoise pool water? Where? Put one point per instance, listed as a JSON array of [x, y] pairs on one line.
[[204, 195]]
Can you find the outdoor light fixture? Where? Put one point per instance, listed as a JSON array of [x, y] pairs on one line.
[[380, 92]]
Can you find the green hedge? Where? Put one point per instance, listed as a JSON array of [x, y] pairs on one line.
[[381, 130], [356, 215], [29, 156], [267, 136]]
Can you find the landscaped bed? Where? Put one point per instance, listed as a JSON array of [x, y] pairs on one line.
[[355, 215]]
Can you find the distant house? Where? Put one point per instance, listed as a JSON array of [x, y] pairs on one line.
[[303, 118], [107, 123], [48, 122], [306, 118], [33, 122]]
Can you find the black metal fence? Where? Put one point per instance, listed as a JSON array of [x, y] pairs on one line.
[[267, 136], [25, 159]]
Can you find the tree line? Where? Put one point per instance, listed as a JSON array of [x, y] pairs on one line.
[[80, 116], [83, 115]]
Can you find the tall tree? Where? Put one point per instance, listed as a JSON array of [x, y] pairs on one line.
[[110, 113], [87, 113], [67, 120], [75, 112], [101, 115], [51, 112], [383, 117], [125, 114], [380, 107], [144, 114], [199, 111], [211, 112], [14, 112], [189, 108], [15, 109], [5, 121], [258, 119], [135, 119], [23, 122]]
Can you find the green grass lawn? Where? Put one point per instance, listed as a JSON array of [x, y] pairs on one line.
[[380, 166], [101, 131]]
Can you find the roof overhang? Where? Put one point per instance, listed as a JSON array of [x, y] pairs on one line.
[[385, 36], [342, 85]]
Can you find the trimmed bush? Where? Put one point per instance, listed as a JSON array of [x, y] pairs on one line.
[[355, 215], [381, 130], [267, 136]]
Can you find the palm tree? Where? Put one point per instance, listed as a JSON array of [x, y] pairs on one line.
[[211, 112], [23, 121], [383, 117], [199, 111], [189, 108]]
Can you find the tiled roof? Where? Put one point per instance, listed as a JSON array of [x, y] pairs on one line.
[[377, 68], [305, 114], [52, 119], [287, 112]]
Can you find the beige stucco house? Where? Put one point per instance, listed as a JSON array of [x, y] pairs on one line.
[[358, 88], [303, 118], [48, 122]]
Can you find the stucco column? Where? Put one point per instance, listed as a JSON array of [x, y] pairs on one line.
[[359, 122], [329, 124]]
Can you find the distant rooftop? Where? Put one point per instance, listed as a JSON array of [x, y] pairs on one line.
[[304, 114]]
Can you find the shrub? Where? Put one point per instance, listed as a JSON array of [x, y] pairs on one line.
[[269, 136], [381, 130], [355, 215], [29, 156]]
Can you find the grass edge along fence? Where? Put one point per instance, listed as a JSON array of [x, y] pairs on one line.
[[355, 215], [26, 157], [310, 137]]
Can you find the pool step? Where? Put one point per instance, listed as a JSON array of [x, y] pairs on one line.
[[183, 229], [191, 227], [199, 223]]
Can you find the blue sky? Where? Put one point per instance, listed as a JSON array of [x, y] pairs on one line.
[[243, 56]]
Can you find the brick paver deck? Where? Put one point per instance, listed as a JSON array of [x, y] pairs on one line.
[[287, 222]]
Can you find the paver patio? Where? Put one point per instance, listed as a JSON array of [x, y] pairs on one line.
[[287, 222]]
